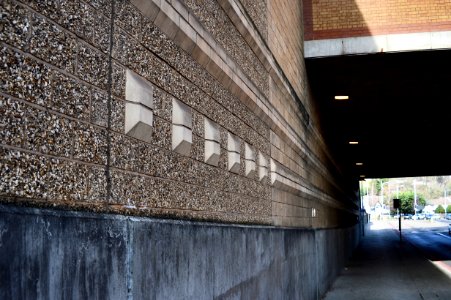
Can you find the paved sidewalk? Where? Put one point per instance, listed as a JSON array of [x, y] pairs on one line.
[[383, 268]]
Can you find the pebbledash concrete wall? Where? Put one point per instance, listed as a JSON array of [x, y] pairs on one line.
[[133, 112]]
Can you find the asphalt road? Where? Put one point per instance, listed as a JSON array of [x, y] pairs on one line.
[[432, 240], [434, 243]]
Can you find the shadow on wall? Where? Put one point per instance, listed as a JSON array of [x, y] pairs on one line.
[[333, 19], [351, 18], [336, 22]]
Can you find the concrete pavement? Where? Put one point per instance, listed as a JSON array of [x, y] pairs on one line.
[[384, 268]]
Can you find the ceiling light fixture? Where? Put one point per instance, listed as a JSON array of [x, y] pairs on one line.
[[353, 143], [359, 164], [341, 97]]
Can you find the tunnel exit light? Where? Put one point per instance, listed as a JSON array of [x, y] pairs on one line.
[[341, 97]]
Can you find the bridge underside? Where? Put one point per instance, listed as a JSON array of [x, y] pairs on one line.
[[398, 109]]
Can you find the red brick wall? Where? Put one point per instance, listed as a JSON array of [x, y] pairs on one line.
[[325, 19]]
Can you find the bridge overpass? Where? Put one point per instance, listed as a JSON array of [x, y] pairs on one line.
[[180, 149], [391, 59]]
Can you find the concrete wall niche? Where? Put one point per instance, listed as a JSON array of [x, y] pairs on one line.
[[249, 156], [182, 136], [233, 153], [212, 146], [139, 90], [138, 111]]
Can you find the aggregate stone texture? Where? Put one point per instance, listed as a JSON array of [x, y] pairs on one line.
[[27, 175], [137, 191], [162, 102], [147, 192], [51, 43], [99, 107], [242, 159], [13, 113], [198, 124], [198, 148], [92, 65], [159, 43], [117, 115], [101, 5], [97, 27], [72, 16], [158, 72], [118, 80], [48, 8], [161, 134], [69, 96], [257, 10], [88, 20], [128, 17], [65, 111], [127, 51], [215, 20], [90, 144], [47, 133], [24, 77], [132, 190], [14, 24], [223, 159], [99, 110], [131, 155]]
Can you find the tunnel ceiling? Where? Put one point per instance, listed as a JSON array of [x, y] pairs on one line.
[[399, 110]]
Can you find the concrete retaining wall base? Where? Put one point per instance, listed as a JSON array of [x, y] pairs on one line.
[[52, 254]]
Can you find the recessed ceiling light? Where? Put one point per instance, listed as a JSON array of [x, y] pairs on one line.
[[341, 97], [353, 143], [362, 176], [359, 164]]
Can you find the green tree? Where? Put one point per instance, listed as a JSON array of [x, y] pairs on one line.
[[379, 183], [439, 210], [407, 202], [448, 209]]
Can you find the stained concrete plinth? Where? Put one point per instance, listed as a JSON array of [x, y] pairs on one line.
[[54, 254]]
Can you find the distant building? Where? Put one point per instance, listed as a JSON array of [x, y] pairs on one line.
[[429, 209]]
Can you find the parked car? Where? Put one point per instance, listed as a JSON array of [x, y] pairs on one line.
[[407, 217], [428, 216], [418, 217], [435, 217]]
